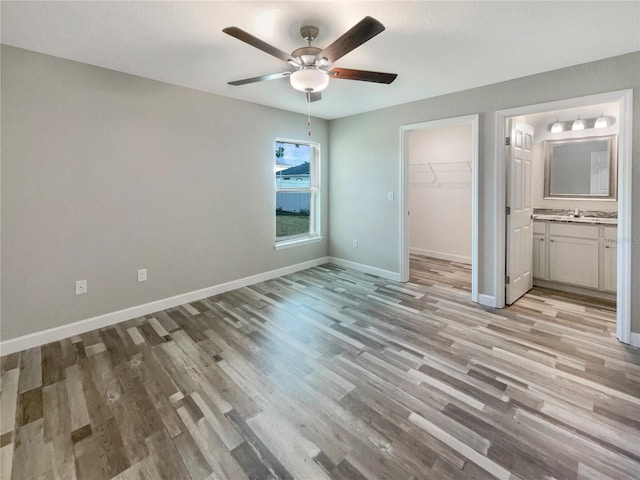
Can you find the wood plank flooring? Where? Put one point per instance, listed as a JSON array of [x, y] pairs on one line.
[[332, 373]]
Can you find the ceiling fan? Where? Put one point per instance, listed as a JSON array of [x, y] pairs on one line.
[[312, 66]]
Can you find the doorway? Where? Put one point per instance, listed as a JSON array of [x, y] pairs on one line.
[[424, 175], [623, 99]]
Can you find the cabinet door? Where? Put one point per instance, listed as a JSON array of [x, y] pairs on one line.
[[610, 266], [539, 256], [573, 260]]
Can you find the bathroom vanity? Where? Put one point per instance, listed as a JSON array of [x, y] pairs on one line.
[[573, 252]]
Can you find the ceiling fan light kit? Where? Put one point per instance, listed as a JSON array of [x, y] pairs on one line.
[[309, 80]]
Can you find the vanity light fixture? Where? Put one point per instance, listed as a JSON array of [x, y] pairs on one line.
[[601, 122], [577, 125], [557, 127]]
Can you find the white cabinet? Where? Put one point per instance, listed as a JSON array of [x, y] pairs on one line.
[[574, 261], [540, 251], [610, 259], [575, 254], [539, 256]]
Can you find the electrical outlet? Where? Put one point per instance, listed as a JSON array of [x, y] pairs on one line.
[[81, 287], [355, 243], [142, 275], [389, 195]]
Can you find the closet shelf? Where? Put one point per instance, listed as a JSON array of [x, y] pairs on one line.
[[454, 174]]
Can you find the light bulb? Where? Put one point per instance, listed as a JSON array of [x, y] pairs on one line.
[[601, 122], [577, 125]]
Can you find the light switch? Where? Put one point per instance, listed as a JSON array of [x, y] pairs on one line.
[[142, 275]]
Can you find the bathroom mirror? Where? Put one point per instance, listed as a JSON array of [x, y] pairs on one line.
[[581, 168]]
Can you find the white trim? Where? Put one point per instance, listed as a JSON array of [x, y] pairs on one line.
[[297, 242], [475, 195], [474, 120], [625, 100], [500, 199], [365, 268], [403, 234], [440, 255], [487, 300], [634, 339], [76, 328], [625, 234]]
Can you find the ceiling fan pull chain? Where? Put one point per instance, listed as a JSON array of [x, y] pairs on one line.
[[309, 113]]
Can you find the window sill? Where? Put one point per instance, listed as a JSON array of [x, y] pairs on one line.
[[296, 242]]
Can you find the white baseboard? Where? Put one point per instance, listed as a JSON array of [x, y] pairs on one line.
[[76, 328], [634, 339], [487, 300], [441, 255], [365, 268]]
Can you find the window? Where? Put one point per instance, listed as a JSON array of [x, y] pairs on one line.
[[297, 192]]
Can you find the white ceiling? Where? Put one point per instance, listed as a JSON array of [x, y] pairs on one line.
[[435, 47]]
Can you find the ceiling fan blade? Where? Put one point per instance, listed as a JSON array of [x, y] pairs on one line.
[[260, 44], [273, 76], [364, 30], [362, 75], [315, 96]]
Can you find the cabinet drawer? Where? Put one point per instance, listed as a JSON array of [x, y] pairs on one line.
[[580, 231], [539, 227]]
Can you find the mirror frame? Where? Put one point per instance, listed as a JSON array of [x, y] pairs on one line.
[[612, 142]]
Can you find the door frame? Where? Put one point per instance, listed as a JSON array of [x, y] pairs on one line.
[[474, 122], [624, 98]]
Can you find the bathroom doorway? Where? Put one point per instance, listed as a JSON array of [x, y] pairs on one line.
[[565, 112]]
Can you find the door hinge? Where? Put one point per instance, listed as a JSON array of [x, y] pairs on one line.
[[507, 141], [507, 280], [508, 210]]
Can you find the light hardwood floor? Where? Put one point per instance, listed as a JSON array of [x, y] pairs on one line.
[[333, 373]]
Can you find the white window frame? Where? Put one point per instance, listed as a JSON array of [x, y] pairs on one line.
[[314, 202]]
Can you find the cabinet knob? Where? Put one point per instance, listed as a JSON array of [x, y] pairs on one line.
[[552, 241], [606, 246]]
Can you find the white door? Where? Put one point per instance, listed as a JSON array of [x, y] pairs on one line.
[[519, 210]]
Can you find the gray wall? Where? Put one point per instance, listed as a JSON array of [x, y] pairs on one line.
[[104, 173], [367, 146]]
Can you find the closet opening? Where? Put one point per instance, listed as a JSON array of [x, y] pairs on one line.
[[439, 231]]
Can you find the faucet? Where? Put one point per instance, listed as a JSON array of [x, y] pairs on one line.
[[576, 212]]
